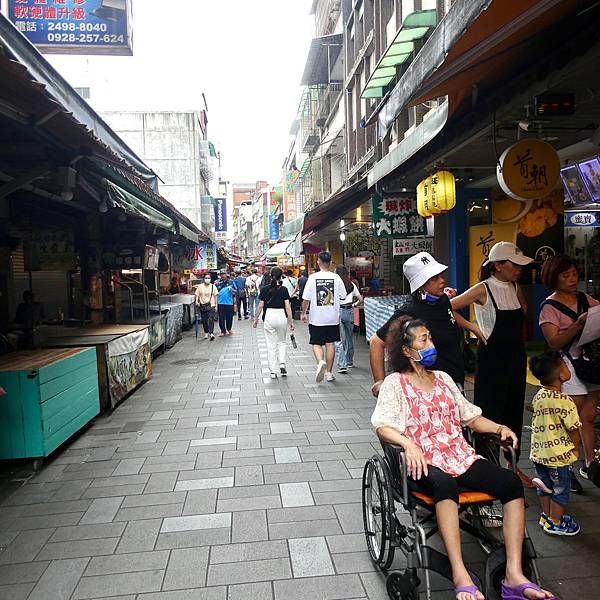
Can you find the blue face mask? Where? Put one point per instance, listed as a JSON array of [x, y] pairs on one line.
[[428, 356], [430, 298]]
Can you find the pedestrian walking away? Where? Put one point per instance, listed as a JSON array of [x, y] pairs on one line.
[[323, 294], [252, 290], [344, 349], [206, 303], [429, 300], [239, 283], [562, 318], [554, 443], [500, 309], [226, 303], [291, 284], [277, 315]]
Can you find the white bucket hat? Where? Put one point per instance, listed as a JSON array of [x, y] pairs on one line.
[[507, 251], [418, 269]]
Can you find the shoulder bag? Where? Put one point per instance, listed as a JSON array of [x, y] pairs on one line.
[[587, 366]]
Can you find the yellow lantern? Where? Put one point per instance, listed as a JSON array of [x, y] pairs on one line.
[[443, 192], [424, 198]]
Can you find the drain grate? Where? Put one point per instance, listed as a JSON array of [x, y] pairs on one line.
[[190, 361]]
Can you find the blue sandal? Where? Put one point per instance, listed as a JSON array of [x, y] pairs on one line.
[[518, 592], [467, 589]]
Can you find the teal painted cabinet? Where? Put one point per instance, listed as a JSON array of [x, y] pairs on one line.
[[50, 395]]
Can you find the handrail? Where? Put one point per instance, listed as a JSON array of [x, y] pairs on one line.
[[145, 295], [119, 282]]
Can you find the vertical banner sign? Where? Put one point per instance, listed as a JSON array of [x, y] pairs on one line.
[[75, 26], [220, 215], [397, 217], [273, 228]]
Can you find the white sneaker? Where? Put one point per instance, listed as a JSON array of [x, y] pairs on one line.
[[206, 336], [273, 375], [321, 368], [329, 377]]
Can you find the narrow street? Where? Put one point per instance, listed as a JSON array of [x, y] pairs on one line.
[[213, 481]]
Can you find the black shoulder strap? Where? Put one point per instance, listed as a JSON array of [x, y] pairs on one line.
[[489, 291], [565, 310], [583, 304]]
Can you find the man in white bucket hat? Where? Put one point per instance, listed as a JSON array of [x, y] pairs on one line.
[[430, 302]]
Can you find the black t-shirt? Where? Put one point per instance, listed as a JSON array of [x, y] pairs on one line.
[[446, 334], [273, 298], [301, 284]]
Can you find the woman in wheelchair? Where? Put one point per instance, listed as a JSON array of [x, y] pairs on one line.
[[423, 411]]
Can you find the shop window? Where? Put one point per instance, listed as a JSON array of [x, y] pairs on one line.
[[479, 211]]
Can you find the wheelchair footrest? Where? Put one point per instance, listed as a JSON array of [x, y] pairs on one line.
[[438, 562]]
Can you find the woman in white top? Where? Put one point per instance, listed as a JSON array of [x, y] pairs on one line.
[[344, 349], [500, 310]]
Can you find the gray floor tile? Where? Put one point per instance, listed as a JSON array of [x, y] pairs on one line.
[[251, 591], [212, 593], [249, 551], [25, 547], [335, 587], [23, 573], [115, 584], [249, 526], [78, 548], [310, 557], [59, 580], [139, 536], [102, 510], [126, 563], [246, 572], [192, 522], [187, 569]]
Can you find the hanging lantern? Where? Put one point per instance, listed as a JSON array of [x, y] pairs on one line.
[[443, 192], [424, 198]]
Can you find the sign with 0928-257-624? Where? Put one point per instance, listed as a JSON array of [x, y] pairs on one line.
[[74, 26]]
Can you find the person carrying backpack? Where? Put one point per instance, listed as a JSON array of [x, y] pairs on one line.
[[239, 283], [252, 284]]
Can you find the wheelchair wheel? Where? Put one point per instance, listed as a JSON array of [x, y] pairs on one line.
[[402, 585], [378, 507]]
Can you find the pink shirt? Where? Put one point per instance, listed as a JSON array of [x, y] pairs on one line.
[[550, 314]]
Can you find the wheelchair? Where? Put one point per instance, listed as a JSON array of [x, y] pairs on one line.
[[385, 483]]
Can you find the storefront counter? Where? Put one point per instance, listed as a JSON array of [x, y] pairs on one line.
[[50, 395], [174, 314], [124, 355], [188, 301]]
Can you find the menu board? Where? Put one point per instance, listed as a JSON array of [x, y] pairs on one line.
[[590, 173], [574, 185]]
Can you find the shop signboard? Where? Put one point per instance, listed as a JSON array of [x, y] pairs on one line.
[[397, 217], [528, 170], [196, 259], [50, 250], [75, 26], [481, 240], [362, 265], [220, 215], [290, 190], [404, 247], [273, 228], [580, 218]]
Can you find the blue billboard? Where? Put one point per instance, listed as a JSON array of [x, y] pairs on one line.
[[74, 26], [273, 228], [220, 215]]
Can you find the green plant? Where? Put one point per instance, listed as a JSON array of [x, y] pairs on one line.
[[361, 240]]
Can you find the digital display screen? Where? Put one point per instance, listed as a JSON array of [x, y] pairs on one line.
[[574, 185], [590, 173]]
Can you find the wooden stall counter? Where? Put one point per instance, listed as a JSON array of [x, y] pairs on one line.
[[50, 395]]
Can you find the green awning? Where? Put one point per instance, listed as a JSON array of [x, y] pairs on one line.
[[211, 150], [131, 204], [416, 26], [305, 168]]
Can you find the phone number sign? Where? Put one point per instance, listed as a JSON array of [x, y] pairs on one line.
[[74, 26]]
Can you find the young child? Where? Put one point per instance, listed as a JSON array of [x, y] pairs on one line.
[[554, 442]]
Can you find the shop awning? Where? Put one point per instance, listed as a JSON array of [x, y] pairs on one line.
[[416, 26], [343, 201], [280, 249], [476, 44], [322, 55], [121, 198]]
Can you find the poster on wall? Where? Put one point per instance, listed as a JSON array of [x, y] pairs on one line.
[[540, 223], [75, 26], [412, 246], [273, 228], [397, 217], [362, 265], [196, 259], [481, 240]]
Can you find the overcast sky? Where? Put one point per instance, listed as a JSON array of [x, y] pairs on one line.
[[247, 57]]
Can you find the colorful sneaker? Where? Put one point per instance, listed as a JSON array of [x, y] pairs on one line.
[[566, 527], [544, 518]]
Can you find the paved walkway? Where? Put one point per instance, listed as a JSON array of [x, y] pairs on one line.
[[213, 482]]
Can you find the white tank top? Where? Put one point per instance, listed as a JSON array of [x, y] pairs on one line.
[[505, 295]]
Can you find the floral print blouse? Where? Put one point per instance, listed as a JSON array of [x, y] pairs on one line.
[[432, 420]]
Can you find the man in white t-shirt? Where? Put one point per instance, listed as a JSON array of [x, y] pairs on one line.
[[323, 293]]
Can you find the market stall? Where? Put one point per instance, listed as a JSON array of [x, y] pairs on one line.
[[124, 355], [50, 395], [173, 314], [187, 300]]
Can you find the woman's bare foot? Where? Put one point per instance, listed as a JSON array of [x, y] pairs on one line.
[[463, 582]]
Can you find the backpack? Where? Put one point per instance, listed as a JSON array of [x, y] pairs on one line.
[[252, 287], [587, 366]]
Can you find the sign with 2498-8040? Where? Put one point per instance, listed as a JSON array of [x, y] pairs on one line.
[[74, 26]]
